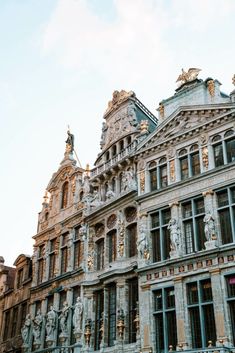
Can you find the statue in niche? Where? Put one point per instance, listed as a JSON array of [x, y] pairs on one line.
[[63, 318], [95, 202], [51, 323], [37, 326], [142, 244], [77, 315], [25, 330], [131, 113], [130, 179], [174, 235], [70, 142], [209, 227], [110, 193], [103, 135], [83, 230]]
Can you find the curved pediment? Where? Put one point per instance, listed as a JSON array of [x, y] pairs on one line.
[[64, 173]]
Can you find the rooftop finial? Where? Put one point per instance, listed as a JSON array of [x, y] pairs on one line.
[[188, 76], [233, 80]]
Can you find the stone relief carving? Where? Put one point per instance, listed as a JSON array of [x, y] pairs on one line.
[[128, 180], [77, 315], [211, 87], [209, 228], [25, 330], [37, 327], [121, 234], [175, 236], [110, 194], [142, 243], [51, 324], [63, 319]]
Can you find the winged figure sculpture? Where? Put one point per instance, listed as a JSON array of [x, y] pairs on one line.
[[188, 76]]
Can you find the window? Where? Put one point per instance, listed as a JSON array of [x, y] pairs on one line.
[[231, 301], [40, 263], [111, 314], [77, 253], [132, 238], [201, 313], [64, 253], [226, 211], [224, 149], [19, 278], [165, 319], [153, 176], [100, 254], [163, 173], [132, 307], [99, 308], [7, 325], [160, 234], [193, 213], [189, 162], [23, 314], [14, 322], [65, 194], [52, 258], [112, 241]]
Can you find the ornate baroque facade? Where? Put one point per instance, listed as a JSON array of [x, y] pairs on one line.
[[136, 254]]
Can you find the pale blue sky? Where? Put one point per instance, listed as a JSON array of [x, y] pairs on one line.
[[60, 61]]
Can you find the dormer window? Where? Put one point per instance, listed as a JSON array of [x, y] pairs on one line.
[[19, 278], [65, 193]]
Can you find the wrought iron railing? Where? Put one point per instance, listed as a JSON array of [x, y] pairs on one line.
[[60, 349]]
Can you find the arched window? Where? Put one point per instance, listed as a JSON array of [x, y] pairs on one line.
[[121, 145], [195, 160], [112, 244], [81, 195], [153, 175], [114, 150], [65, 194], [230, 146], [229, 133], [128, 140], [218, 151], [132, 238], [46, 216], [114, 184], [107, 155]]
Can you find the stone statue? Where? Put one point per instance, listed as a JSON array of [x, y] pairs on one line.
[[95, 202], [37, 326], [188, 76], [131, 181], [110, 193], [25, 330], [70, 142], [63, 318], [209, 227], [174, 236], [142, 244], [51, 323], [103, 135], [77, 315], [83, 230]]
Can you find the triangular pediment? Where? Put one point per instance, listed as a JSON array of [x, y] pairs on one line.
[[183, 120]]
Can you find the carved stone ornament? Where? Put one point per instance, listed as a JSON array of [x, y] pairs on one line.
[[144, 127], [205, 160], [161, 110], [175, 236], [233, 80], [142, 181], [112, 220], [172, 170], [211, 87], [121, 231], [118, 98]]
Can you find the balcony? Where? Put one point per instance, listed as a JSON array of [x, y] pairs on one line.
[[76, 348], [114, 160]]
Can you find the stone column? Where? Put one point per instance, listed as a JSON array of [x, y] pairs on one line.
[[177, 169], [211, 162], [146, 308], [121, 305], [222, 326], [183, 330]]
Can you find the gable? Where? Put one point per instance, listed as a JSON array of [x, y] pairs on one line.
[[184, 120]]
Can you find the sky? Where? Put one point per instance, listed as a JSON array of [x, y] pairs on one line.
[[61, 60]]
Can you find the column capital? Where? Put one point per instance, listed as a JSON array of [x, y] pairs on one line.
[[208, 192], [174, 203]]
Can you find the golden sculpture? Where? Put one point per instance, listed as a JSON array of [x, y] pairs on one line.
[[161, 110], [205, 160], [188, 76], [144, 127], [211, 87], [172, 170], [142, 181]]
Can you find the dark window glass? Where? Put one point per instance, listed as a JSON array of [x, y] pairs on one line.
[[111, 315], [170, 298], [153, 179], [132, 237], [163, 176], [195, 163], [160, 236], [158, 300], [187, 210], [222, 198], [201, 239], [112, 246], [155, 219], [188, 231], [40, 270], [206, 291], [218, 155], [64, 259], [192, 293], [52, 265], [65, 192], [77, 253], [194, 315], [230, 148], [19, 278], [14, 322], [6, 325], [225, 226], [199, 206], [99, 308], [133, 302], [100, 254], [231, 286], [184, 168]]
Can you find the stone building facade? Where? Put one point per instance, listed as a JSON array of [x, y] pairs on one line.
[[137, 254]]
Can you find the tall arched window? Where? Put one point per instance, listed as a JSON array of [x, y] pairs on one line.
[[65, 193]]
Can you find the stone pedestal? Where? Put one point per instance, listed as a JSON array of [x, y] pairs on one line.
[[63, 337], [211, 244], [78, 336]]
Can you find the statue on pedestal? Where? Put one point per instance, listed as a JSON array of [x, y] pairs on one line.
[[25, 330], [209, 227], [37, 326], [77, 315], [51, 324], [175, 237], [63, 318]]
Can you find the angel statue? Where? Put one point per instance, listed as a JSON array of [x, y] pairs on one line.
[[188, 76]]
